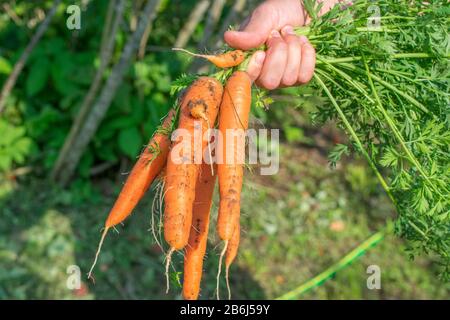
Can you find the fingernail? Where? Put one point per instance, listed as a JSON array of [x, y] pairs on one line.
[[303, 39], [275, 34], [259, 57], [287, 30]]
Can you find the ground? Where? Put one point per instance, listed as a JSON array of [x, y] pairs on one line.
[[295, 225]]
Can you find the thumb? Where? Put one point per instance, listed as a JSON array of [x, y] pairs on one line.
[[256, 31]]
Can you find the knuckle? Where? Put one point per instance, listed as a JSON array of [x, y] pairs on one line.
[[282, 46], [274, 42], [292, 40], [278, 45]]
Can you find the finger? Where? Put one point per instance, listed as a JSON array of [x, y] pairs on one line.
[[255, 65], [255, 32], [274, 63], [308, 63], [294, 55]]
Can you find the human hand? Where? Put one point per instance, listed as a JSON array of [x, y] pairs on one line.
[[289, 59]]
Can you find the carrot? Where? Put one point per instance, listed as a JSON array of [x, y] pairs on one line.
[[149, 165], [195, 250], [234, 114], [233, 246], [181, 178], [198, 110], [231, 253], [225, 60]]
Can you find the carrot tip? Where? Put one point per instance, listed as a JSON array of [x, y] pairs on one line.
[[169, 259], [224, 250], [97, 254], [191, 53], [227, 278]]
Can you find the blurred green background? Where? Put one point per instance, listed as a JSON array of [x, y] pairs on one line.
[[295, 224]]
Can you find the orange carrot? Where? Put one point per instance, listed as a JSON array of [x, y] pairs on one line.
[[234, 114], [198, 109], [233, 121], [231, 254], [225, 60], [149, 165], [195, 250], [233, 246], [181, 177]]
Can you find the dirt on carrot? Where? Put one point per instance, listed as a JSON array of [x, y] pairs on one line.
[[198, 238], [182, 169], [234, 115]]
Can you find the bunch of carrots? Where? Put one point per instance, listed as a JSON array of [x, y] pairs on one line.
[[189, 186], [376, 129]]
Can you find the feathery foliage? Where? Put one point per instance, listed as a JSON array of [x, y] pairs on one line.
[[386, 79]]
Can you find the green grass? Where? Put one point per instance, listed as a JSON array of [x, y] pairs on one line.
[[295, 225]]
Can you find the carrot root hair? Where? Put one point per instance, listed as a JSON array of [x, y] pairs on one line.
[[153, 226], [227, 278], [190, 53], [168, 261], [222, 254], [161, 199], [100, 244]]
